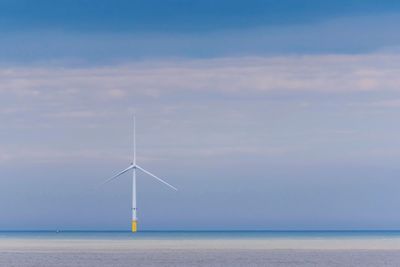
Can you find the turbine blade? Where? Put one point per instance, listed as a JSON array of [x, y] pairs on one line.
[[159, 179], [117, 175]]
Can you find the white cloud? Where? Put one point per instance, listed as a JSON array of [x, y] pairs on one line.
[[73, 105], [319, 73], [46, 155], [391, 103]]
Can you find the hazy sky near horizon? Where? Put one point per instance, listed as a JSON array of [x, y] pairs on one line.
[[265, 114]]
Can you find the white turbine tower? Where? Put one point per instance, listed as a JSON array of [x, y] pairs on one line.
[[135, 167]]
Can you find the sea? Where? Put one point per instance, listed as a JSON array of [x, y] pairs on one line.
[[199, 248], [201, 235]]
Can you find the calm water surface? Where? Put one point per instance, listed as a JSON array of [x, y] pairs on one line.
[[171, 235]]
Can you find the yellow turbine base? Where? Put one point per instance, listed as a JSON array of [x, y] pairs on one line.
[[134, 226]]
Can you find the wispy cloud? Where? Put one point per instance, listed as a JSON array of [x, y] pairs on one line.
[[36, 155], [390, 103], [64, 102], [320, 73]]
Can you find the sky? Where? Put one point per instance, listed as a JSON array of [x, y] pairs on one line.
[[266, 115]]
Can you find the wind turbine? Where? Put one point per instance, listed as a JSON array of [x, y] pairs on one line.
[[135, 167]]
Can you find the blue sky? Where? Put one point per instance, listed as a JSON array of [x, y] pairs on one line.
[[265, 114], [179, 15], [135, 30]]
